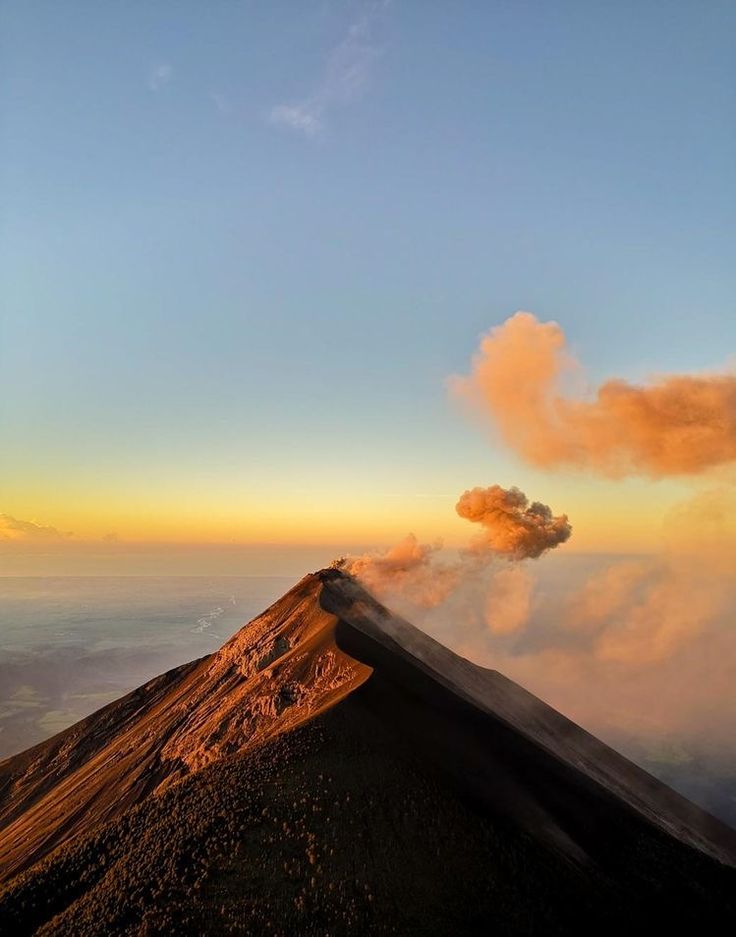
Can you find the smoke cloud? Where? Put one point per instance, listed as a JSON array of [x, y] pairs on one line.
[[512, 526], [412, 576], [508, 600], [409, 569], [677, 425]]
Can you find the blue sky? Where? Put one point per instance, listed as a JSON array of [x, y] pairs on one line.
[[244, 245]]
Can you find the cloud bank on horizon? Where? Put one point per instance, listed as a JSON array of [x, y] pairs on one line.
[[676, 425], [13, 530]]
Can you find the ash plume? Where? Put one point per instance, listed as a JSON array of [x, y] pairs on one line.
[[676, 425], [512, 526], [412, 575], [410, 568]]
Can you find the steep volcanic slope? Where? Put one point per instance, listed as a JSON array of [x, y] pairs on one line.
[[340, 772], [341, 827], [278, 671], [515, 729]]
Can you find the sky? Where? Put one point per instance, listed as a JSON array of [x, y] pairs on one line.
[[244, 248]]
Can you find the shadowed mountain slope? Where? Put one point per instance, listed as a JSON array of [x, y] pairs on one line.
[[331, 770]]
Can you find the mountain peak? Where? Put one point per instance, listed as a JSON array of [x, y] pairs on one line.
[[327, 654]]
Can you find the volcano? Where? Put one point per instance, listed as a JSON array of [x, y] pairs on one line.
[[334, 770]]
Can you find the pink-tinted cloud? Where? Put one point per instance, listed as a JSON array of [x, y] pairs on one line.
[[675, 425], [510, 524]]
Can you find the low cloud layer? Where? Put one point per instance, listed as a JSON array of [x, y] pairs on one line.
[[644, 611], [675, 425], [507, 603]]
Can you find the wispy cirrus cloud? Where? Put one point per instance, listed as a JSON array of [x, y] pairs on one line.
[[346, 75], [221, 102], [160, 75]]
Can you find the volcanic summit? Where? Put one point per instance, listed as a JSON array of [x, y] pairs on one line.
[[334, 770]]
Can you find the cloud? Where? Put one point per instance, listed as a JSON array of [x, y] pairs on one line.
[[160, 75], [407, 568], [345, 77], [221, 102], [640, 613], [511, 526], [15, 531], [675, 425], [305, 117], [508, 601], [512, 529], [646, 610]]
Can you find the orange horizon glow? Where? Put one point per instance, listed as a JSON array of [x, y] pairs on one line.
[[594, 530]]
